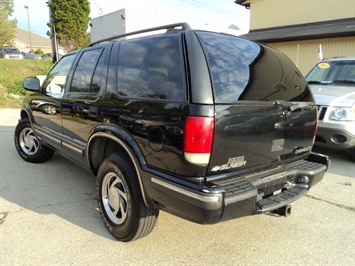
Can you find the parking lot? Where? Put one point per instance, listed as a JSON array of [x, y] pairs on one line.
[[49, 216]]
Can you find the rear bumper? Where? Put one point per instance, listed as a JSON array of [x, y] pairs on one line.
[[235, 197]]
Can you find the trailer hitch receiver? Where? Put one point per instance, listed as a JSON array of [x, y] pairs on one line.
[[283, 211]]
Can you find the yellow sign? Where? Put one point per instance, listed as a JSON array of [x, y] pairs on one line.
[[323, 65]]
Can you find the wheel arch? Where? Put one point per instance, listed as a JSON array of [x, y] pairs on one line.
[[27, 113], [107, 141]]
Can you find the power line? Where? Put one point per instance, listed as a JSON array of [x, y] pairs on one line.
[[98, 7], [212, 9]]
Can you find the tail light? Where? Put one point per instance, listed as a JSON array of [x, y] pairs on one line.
[[198, 139]]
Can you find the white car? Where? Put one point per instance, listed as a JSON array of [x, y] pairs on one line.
[[10, 53], [332, 82]]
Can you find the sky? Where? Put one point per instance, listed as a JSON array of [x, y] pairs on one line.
[[200, 14]]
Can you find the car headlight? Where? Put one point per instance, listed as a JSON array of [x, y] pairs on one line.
[[342, 113]]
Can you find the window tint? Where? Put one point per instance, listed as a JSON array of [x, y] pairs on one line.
[[328, 72], [87, 77], [151, 67], [11, 50], [54, 84], [244, 70]]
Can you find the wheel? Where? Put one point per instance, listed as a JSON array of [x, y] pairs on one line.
[[28, 146], [48, 109], [120, 200]]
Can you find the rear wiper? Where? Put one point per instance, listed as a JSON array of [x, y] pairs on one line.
[[344, 81], [318, 82]]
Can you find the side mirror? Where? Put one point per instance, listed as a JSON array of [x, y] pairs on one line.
[[31, 84]]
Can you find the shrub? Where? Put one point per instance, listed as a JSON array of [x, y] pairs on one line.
[[13, 72]]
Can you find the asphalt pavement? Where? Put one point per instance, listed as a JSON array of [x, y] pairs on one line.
[[49, 216]]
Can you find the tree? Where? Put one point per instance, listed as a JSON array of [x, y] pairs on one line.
[[7, 26], [70, 20]]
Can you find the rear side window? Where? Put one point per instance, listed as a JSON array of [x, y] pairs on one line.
[[151, 67], [87, 77], [244, 70]]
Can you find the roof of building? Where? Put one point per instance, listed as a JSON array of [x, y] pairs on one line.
[[36, 40], [316, 30], [242, 3]]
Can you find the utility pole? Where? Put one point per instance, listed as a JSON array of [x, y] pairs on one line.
[[29, 27], [54, 34]]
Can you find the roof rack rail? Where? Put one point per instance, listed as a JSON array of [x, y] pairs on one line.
[[183, 25]]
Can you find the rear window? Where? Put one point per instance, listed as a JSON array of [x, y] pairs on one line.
[[244, 70]]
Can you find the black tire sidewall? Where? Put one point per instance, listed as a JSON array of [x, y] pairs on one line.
[[127, 230], [43, 153], [352, 154]]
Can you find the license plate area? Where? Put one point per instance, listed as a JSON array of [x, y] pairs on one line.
[[274, 184]]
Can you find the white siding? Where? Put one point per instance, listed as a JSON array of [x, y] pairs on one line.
[[275, 13], [304, 53]]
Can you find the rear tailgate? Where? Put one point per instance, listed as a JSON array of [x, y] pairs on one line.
[[261, 135], [264, 111]]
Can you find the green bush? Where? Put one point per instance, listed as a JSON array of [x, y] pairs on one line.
[[13, 72]]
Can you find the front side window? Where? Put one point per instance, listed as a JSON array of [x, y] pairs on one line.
[[54, 84], [151, 67]]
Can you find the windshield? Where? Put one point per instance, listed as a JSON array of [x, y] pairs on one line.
[[11, 50], [332, 72]]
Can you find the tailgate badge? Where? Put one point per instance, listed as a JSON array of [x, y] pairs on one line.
[[277, 145], [233, 162], [302, 150]]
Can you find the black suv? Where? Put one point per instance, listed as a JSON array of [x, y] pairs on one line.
[[203, 125]]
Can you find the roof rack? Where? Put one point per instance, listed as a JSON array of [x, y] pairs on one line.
[[182, 25]]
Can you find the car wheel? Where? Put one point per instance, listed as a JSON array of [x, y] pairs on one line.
[[120, 200], [28, 146]]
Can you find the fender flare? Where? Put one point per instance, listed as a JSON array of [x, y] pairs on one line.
[[127, 142]]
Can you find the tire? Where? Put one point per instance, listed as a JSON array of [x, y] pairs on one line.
[[28, 146], [352, 154], [120, 200]]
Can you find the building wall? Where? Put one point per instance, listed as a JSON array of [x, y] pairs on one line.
[[123, 21], [108, 25], [25, 44], [304, 53], [26, 48], [275, 13]]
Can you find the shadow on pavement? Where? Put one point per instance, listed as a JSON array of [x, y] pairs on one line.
[[57, 187], [340, 162], [60, 187]]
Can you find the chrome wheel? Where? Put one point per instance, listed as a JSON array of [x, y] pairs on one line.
[[115, 197], [28, 146], [28, 142], [120, 201]]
